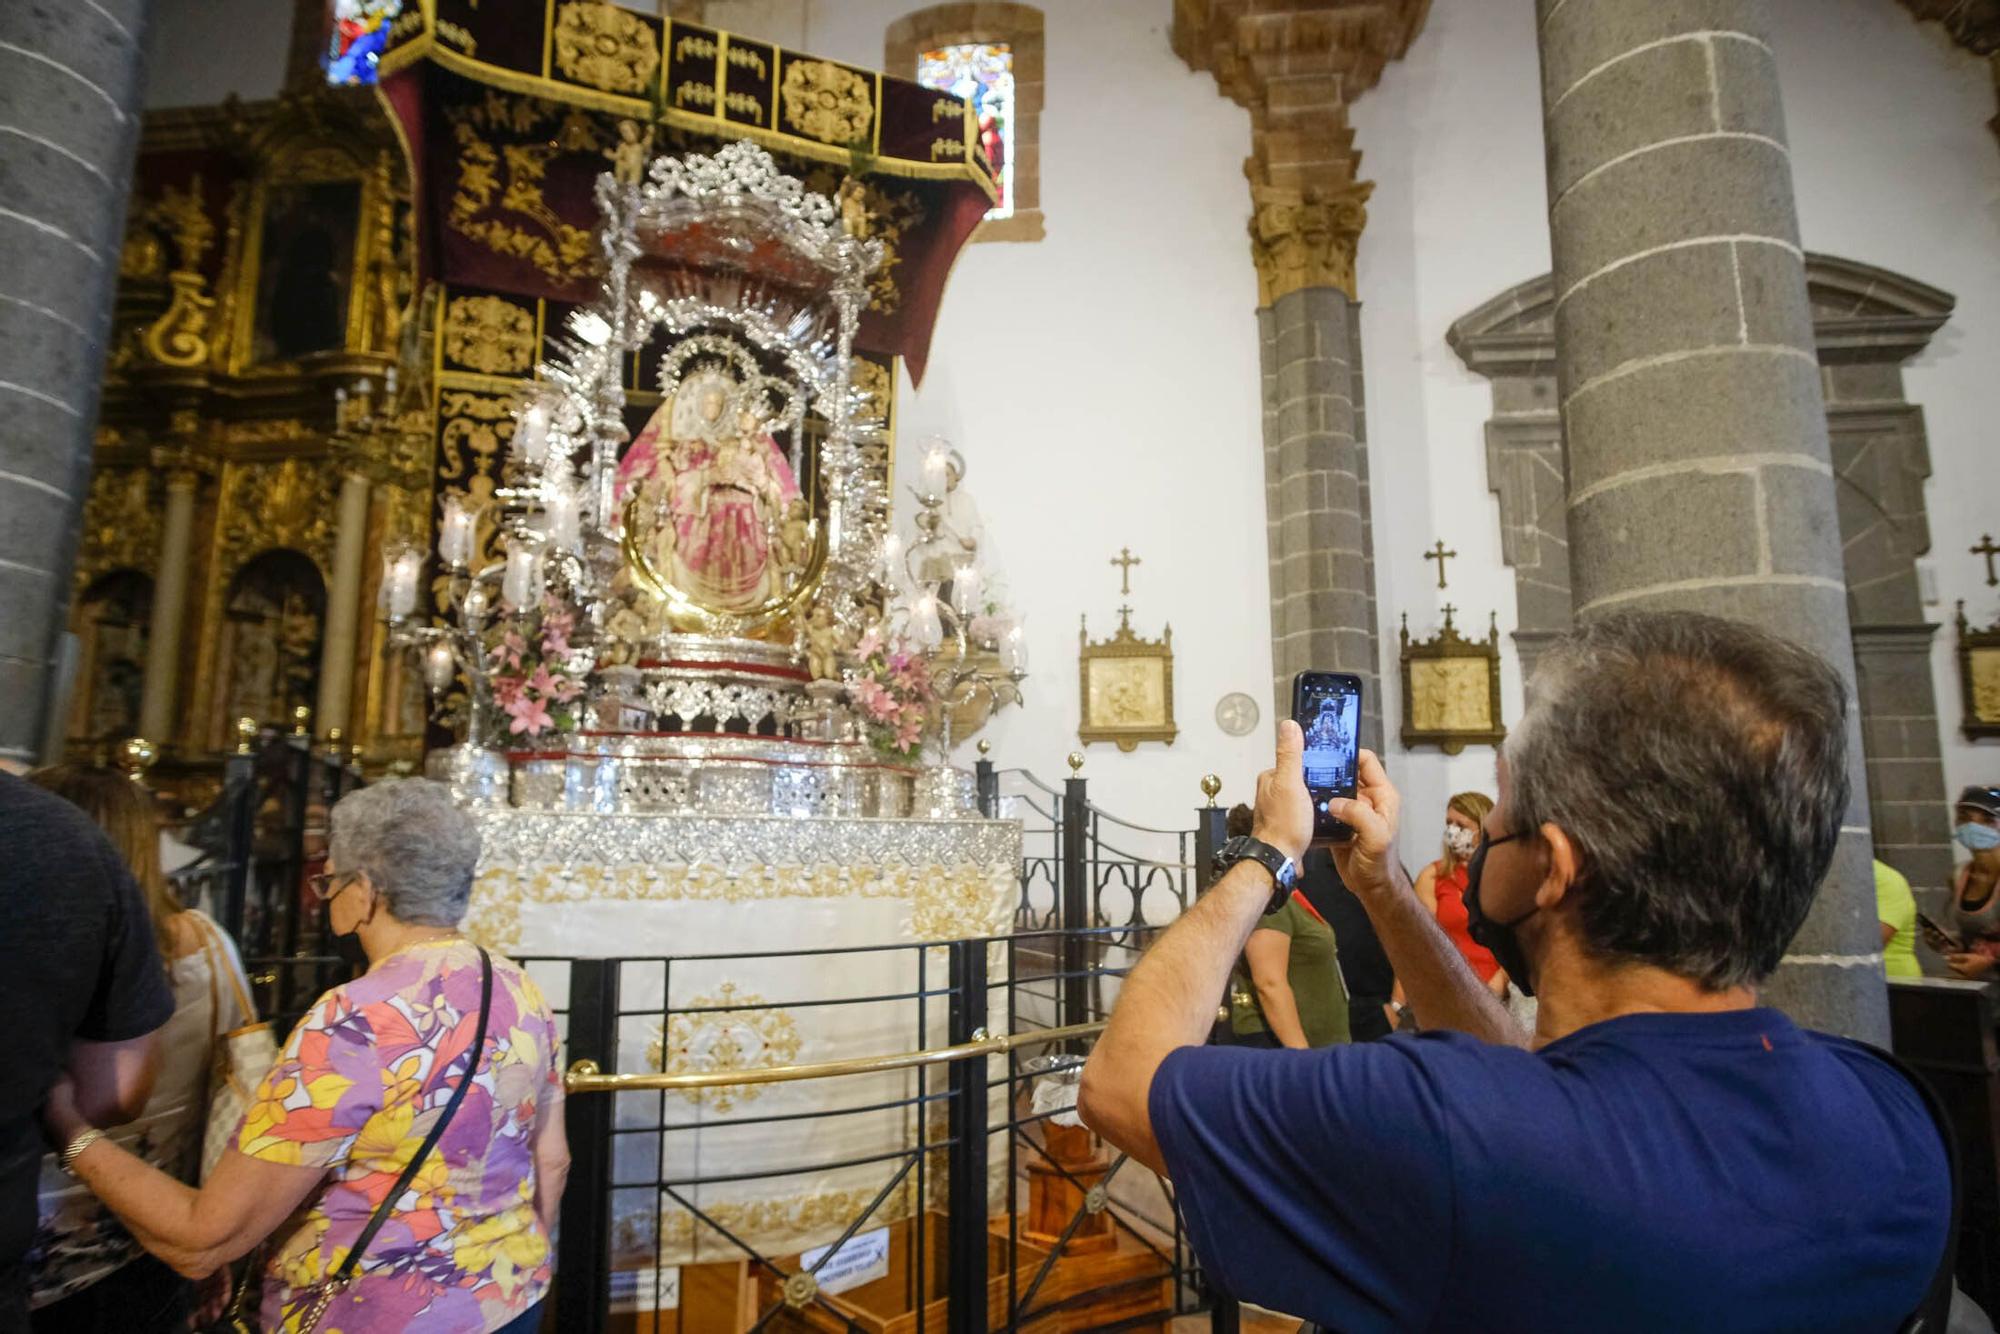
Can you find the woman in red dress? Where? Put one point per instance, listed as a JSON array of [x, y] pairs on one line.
[[1442, 885]]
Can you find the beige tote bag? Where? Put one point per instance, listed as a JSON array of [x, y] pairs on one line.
[[239, 1058]]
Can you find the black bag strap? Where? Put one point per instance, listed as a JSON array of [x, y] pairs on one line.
[[383, 1210], [1933, 1312]]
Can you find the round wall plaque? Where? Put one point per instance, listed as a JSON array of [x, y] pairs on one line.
[[1236, 714]]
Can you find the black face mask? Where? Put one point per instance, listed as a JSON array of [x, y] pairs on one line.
[[1497, 937]]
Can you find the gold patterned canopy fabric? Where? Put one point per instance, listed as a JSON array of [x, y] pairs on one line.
[[509, 123]]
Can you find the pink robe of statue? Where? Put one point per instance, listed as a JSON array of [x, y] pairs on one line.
[[721, 502]]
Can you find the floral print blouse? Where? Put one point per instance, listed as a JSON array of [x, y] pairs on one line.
[[355, 1090]]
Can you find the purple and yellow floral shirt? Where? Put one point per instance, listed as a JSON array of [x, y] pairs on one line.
[[356, 1090]]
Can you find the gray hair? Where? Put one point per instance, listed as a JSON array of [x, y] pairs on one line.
[[418, 848], [1700, 768]]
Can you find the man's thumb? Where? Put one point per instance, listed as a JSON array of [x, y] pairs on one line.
[[1291, 751]]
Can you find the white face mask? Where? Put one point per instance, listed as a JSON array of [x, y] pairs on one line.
[[1460, 841]]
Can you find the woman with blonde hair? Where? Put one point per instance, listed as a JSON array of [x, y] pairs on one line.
[[1442, 885], [88, 1272]]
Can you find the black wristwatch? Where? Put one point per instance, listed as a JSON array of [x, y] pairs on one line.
[[1284, 872]]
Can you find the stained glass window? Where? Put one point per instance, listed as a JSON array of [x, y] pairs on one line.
[[360, 31], [983, 74]]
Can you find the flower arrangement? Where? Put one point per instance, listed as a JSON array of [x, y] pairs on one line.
[[535, 683], [890, 686]]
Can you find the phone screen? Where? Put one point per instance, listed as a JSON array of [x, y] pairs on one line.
[[1327, 708]]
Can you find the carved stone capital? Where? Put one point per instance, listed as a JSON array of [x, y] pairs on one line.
[[1296, 65], [1306, 238]]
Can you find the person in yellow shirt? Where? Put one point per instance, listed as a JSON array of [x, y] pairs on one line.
[[1897, 911]]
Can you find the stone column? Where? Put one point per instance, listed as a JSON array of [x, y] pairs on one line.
[[1322, 589], [343, 605], [71, 87], [163, 640], [1699, 470]]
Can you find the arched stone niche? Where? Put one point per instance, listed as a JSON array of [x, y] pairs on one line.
[[1867, 323]]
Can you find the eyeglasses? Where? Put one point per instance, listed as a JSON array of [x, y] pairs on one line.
[[323, 885]]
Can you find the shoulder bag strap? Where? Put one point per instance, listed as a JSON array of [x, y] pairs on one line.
[[383, 1210], [225, 962]]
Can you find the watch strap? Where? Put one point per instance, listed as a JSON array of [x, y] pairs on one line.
[[1284, 873]]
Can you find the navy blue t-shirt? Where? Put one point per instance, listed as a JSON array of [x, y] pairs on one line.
[[1653, 1172]]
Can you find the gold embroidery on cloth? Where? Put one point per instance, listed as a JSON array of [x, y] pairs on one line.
[[512, 174], [752, 1038], [604, 47], [827, 103], [489, 335]]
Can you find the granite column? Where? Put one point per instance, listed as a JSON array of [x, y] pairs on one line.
[[71, 91], [1699, 470]]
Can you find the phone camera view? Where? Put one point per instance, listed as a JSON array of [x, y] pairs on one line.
[[1331, 716]]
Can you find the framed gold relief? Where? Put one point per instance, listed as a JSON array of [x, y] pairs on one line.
[[1979, 678], [1126, 686], [1451, 689]]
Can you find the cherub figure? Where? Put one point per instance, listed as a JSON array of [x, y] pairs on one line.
[[631, 153], [823, 644]]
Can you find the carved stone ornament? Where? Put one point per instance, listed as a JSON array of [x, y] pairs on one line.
[[1306, 238], [489, 335], [1127, 687], [1451, 689], [827, 102], [602, 46]]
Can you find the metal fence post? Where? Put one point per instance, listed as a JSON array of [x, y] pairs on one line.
[[583, 1242], [1075, 895], [965, 1225], [1210, 833], [239, 829], [986, 781]]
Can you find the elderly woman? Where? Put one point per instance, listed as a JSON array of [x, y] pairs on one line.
[[354, 1098]]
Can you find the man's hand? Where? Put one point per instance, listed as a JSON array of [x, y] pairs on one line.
[[61, 1121], [1284, 816], [1366, 860]]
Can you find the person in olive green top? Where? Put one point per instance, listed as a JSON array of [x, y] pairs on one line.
[[1291, 996], [1286, 990], [1896, 909]]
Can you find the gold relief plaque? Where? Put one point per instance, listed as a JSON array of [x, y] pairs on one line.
[[601, 46], [1979, 678], [1451, 689], [1127, 686], [489, 335], [828, 102]]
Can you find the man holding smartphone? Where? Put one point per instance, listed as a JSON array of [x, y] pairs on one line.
[[1663, 1153]]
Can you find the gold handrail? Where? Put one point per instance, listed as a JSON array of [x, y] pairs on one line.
[[585, 1077]]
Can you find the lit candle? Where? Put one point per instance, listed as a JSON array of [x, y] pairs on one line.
[[439, 667], [924, 623], [565, 521], [455, 533], [935, 478], [966, 584], [521, 586], [531, 433], [404, 571], [892, 558]]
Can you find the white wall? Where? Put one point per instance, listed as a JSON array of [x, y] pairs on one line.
[[1894, 165], [1452, 138], [200, 51]]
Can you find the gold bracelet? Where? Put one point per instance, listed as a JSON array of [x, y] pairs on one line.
[[74, 1149]]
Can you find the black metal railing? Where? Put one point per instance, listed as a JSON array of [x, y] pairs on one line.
[[971, 1262]]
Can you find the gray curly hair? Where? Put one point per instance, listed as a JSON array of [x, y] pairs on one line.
[[415, 844]]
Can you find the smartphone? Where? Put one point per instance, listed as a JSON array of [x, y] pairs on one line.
[[1939, 939], [1327, 708]]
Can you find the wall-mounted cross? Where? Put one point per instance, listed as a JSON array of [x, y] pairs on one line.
[[1125, 560], [1440, 555], [1988, 550]]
